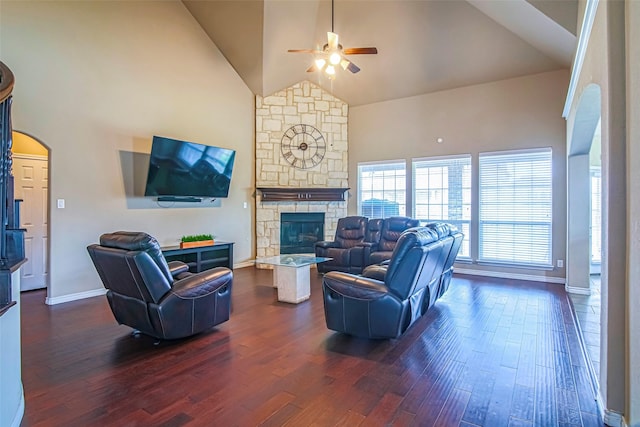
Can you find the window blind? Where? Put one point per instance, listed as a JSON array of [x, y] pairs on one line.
[[382, 189], [515, 201], [442, 192]]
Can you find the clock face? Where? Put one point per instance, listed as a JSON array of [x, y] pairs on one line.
[[303, 146]]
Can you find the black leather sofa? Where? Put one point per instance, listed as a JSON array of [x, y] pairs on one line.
[[345, 251], [450, 252], [391, 229], [160, 299], [386, 300], [360, 241]]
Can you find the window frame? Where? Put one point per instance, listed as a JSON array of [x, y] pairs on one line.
[[402, 205], [415, 164], [546, 264]]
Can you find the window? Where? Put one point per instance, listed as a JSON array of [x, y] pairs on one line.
[[382, 189], [442, 192], [515, 207]]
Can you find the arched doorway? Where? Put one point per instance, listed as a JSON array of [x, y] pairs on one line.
[[31, 184], [584, 227]]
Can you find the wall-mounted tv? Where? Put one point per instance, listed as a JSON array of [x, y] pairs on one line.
[[181, 170]]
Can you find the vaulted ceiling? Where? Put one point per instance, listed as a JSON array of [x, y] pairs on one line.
[[423, 45]]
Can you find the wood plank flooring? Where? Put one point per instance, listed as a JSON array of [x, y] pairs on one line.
[[491, 352]]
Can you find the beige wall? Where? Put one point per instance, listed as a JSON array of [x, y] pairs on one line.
[[94, 82], [632, 410], [511, 114], [612, 62]]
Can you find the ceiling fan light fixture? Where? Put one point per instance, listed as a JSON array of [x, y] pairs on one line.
[[335, 58], [320, 63], [332, 54]]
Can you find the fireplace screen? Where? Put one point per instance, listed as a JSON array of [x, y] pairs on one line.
[[299, 231]]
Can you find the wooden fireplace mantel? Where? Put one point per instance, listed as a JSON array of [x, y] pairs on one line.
[[274, 194]]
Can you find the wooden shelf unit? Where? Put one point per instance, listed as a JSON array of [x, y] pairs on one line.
[[220, 254]]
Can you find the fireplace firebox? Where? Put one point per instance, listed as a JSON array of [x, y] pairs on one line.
[[299, 231]]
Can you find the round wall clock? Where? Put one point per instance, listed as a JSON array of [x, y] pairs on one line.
[[303, 146]]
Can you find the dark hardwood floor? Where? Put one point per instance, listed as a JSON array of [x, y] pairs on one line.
[[491, 352]]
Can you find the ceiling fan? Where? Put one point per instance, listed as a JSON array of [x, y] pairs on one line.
[[333, 54]]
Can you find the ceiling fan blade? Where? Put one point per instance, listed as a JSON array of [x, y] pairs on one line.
[[312, 69], [353, 67], [305, 51], [360, 51], [332, 40]]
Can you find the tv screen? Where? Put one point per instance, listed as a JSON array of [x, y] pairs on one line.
[[186, 169]]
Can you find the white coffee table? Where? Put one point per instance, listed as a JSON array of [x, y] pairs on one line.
[[291, 275]]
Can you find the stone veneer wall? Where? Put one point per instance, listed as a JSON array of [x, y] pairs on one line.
[[303, 103]]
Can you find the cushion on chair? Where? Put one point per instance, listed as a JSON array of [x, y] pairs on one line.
[[138, 241]]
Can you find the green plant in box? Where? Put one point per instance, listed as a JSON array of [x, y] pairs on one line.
[[197, 238]]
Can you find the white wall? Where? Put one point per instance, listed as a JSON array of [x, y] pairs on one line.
[[525, 112], [11, 392], [612, 62], [94, 82]]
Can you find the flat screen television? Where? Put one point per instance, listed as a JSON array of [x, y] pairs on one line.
[[181, 170]]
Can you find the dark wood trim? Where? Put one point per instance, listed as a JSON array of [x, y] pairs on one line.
[[274, 194], [6, 307], [6, 82]]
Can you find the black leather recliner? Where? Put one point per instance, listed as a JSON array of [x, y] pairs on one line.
[[450, 252], [391, 230], [344, 250], [372, 308], [160, 299]]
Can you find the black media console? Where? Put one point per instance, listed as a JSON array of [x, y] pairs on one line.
[[220, 254]]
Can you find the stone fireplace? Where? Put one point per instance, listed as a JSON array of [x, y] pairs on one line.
[[299, 231], [303, 103]]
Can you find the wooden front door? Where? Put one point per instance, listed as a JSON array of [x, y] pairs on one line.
[[31, 185]]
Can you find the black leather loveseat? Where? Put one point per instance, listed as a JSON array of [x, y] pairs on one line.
[[160, 299], [360, 241], [386, 299]]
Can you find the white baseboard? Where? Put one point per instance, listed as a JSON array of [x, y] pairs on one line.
[[74, 297], [515, 276], [244, 264], [578, 290], [614, 419]]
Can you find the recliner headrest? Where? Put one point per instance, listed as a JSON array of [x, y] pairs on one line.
[[418, 236], [400, 223], [352, 222], [129, 240], [442, 228], [138, 241]]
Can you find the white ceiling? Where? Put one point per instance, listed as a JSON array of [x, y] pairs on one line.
[[423, 45]]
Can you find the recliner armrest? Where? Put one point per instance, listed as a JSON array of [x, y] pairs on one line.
[[325, 244], [355, 286], [378, 272], [203, 283], [177, 267]]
